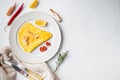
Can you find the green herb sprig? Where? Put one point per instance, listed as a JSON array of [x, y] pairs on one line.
[[60, 59]]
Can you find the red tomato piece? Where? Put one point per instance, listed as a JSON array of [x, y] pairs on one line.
[[44, 48], [48, 44], [41, 49]]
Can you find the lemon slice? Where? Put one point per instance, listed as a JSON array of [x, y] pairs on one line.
[[40, 22]]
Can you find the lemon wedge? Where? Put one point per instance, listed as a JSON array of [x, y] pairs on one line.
[[41, 23], [34, 4]]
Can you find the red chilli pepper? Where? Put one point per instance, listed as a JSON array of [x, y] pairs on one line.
[[15, 15]]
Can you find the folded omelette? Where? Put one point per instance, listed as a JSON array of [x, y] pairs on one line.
[[30, 37]]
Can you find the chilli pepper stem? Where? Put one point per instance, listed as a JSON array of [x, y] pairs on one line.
[[14, 16], [5, 27]]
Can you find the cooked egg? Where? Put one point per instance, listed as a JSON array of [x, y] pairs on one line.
[[30, 37]]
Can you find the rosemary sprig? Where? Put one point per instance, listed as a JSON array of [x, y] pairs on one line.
[[60, 59]]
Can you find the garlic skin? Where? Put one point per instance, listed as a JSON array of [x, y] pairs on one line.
[[11, 10]]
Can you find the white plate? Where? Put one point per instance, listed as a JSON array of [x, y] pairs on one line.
[[36, 56]]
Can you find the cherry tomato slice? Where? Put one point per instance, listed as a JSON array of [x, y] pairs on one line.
[[41, 49], [48, 44], [44, 48]]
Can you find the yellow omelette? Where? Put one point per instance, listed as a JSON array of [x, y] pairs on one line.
[[30, 37]]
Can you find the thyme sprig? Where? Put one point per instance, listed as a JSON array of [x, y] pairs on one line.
[[60, 59]]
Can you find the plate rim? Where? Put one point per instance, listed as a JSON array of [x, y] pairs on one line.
[[46, 59]]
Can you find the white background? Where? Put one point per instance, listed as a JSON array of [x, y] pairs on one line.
[[91, 32]]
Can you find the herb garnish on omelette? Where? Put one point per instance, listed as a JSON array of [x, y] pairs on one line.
[[30, 37]]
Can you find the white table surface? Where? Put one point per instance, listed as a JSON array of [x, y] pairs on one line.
[[91, 32]]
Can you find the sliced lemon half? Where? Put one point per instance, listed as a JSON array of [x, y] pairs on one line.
[[41, 23]]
